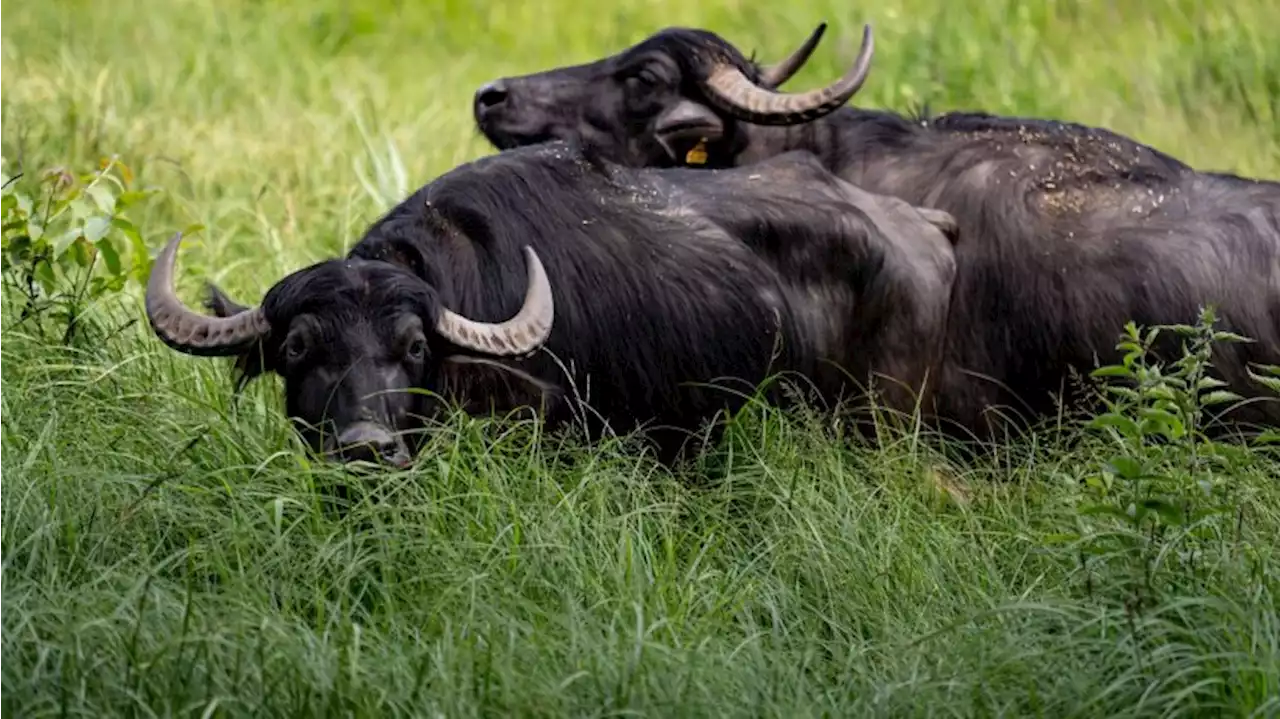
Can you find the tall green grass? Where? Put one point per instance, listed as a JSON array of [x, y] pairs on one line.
[[168, 550]]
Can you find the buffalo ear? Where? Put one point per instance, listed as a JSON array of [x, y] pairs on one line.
[[220, 304], [404, 254], [250, 364], [681, 127], [595, 154]]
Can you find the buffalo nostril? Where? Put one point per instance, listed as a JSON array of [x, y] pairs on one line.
[[369, 443], [490, 95]]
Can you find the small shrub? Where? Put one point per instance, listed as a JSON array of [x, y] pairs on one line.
[[1163, 499], [68, 243]]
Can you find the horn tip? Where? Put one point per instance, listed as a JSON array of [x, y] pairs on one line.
[[531, 255], [169, 251]]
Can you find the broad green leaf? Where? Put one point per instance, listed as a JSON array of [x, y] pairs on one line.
[[1123, 424], [61, 242], [55, 211], [126, 227], [67, 260], [1231, 337], [80, 209], [133, 197], [96, 228], [1098, 481], [1127, 467], [141, 258], [1209, 383], [109, 255], [44, 273], [1269, 436], [1126, 392], [1167, 511], [1219, 396], [1172, 429], [1272, 383], [102, 197], [1106, 510], [17, 246], [82, 252], [1159, 415], [1112, 371]]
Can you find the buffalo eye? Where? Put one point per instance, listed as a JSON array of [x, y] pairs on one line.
[[642, 81], [295, 347], [410, 340], [417, 349]]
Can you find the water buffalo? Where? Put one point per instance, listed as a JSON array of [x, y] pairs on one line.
[[546, 277], [1064, 231]]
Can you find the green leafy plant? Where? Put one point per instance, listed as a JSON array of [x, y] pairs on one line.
[[68, 243], [1158, 503]]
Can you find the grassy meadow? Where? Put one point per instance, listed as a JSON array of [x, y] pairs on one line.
[[169, 551]]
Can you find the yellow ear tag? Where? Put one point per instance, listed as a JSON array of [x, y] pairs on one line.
[[698, 155]]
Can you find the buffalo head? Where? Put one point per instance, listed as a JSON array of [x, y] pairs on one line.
[[675, 98], [352, 339]]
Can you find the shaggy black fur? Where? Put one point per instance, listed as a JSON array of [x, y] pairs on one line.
[[1065, 231], [664, 282]]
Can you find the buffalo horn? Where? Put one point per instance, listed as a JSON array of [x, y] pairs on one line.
[[731, 91], [519, 335], [774, 75], [191, 332]]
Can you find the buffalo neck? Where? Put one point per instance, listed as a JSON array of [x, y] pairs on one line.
[[853, 143], [961, 157]]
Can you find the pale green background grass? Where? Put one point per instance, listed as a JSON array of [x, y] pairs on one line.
[[167, 551]]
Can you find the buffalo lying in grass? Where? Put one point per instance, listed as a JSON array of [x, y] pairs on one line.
[[546, 277], [1065, 232]]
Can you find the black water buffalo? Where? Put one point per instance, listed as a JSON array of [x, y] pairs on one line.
[[1065, 231], [545, 277]]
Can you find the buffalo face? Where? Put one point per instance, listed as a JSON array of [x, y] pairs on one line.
[[356, 341], [350, 375], [676, 98]]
